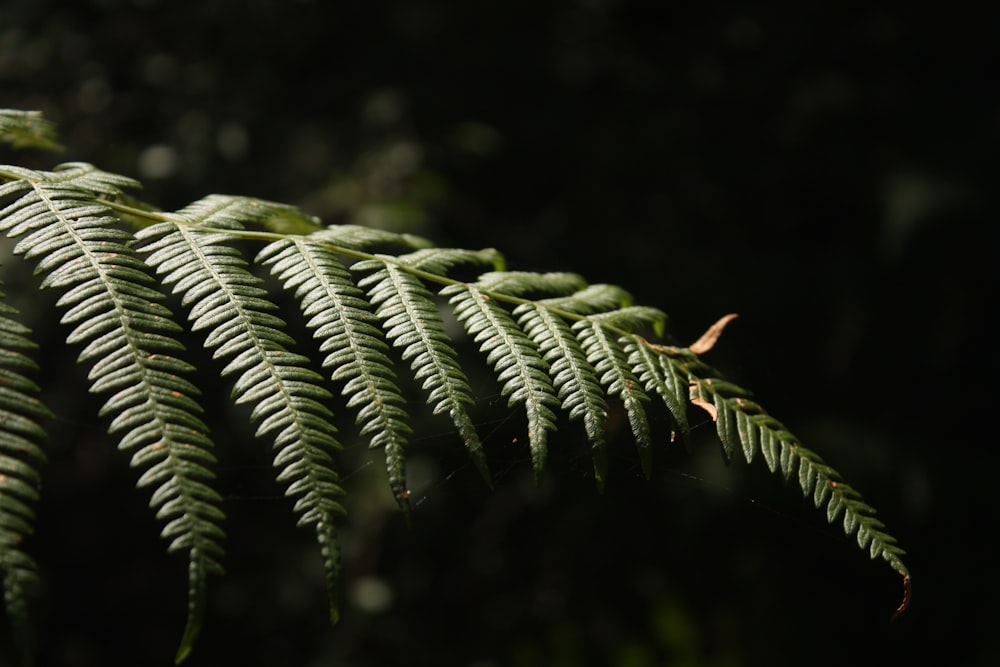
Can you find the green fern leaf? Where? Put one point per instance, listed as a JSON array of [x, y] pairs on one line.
[[288, 399], [128, 336], [359, 238], [591, 299], [520, 283], [413, 323], [356, 350], [438, 261], [27, 129], [20, 461]]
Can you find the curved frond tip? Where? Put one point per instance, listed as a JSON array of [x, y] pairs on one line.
[[744, 426], [289, 402]]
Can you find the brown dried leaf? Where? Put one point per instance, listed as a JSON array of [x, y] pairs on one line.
[[707, 340], [707, 407], [907, 594]]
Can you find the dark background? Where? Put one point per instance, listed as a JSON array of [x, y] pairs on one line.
[[825, 171]]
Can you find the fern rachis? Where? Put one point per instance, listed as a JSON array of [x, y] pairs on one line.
[[554, 342]]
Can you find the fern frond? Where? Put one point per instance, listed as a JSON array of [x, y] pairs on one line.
[[128, 335], [21, 457], [599, 336], [355, 347], [554, 343], [288, 398], [27, 129], [413, 323]]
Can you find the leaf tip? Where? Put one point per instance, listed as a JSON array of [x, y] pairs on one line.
[[183, 652], [334, 612], [191, 632]]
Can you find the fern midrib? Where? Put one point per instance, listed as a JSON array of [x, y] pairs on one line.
[[259, 235], [418, 273]]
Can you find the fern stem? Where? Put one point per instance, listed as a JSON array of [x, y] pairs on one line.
[[429, 276]]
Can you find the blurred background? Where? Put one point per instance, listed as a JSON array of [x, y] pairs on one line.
[[824, 171]]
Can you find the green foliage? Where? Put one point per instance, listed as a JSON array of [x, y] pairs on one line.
[[554, 343], [27, 129]]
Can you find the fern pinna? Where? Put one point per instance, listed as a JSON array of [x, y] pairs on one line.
[[554, 342]]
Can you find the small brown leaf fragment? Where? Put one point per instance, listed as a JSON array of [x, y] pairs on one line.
[[708, 339], [707, 407], [907, 595], [696, 399]]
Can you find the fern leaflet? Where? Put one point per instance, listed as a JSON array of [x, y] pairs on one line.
[[599, 339], [288, 399], [574, 377], [128, 335], [661, 378], [27, 129], [515, 357], [413, 323], [355, 348], [20, 461]]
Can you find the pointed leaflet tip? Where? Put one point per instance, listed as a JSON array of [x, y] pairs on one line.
[[191, 632], [334, 612], [197, 595], [193, 628], [472, 444]]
